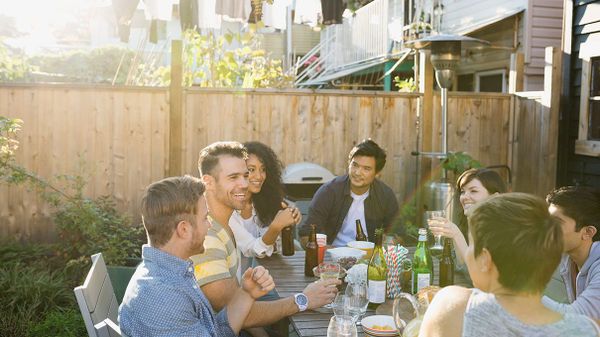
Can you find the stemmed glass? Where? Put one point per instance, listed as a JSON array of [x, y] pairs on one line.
[[341, 326], [357, 300], [437, 248], [328, 271], [339, 305]]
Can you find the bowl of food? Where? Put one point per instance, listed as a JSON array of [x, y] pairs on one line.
[[317, 272], [345, 256], [379, 326], [363, 245]]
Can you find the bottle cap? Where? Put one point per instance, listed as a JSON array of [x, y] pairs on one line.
[[422, 231]]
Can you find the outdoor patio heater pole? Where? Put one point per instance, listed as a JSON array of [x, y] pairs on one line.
[[445, 57]]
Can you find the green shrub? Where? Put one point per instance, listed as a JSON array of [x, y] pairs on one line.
[[59, 323], [12, 324], [28, 292], [31, 254]]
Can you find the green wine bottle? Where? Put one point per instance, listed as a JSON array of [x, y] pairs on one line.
[[377, 273], [422, 265]]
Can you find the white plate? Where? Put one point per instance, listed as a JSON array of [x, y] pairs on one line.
[[381, 320]]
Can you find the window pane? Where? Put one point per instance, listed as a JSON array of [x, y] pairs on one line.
[[595, 84], [465, 82], [490, 83], [594, 125]]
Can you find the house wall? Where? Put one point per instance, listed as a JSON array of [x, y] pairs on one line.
[[303, 40], [464, 16], [503, 40], [582, 33], [543, 20]]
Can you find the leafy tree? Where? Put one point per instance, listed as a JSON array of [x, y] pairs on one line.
[[13, 67], [228, 61], [86, 66]]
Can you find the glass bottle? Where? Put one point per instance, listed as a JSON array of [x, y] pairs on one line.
[[312, 257], [377, 273], [422, 266], [360, 235], [446, 265], [287, 241]]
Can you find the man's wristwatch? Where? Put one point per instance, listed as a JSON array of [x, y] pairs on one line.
[[301, 301]]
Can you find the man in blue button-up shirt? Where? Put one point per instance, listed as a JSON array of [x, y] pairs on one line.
[[163, 298]]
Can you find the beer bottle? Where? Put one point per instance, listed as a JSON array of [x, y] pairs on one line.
[[377, 273], [446, 265], [360, 235], [287, 241], [312, 256], [422, 266]]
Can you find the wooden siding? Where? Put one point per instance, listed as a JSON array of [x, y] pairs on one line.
[[583, 20], [464, 16], [122, 135], [501, 36], [544, 29]]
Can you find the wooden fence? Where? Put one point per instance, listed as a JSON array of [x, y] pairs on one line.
[[122, 135]]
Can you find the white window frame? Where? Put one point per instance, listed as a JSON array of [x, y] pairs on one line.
[[490, 72], [583, 145]]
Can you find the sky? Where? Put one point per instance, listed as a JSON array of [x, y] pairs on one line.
[[42, 21]]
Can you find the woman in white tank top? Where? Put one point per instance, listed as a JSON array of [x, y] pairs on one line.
[[514, 247]]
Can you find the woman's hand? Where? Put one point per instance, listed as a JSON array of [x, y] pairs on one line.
[[287, 216], [444, 227]]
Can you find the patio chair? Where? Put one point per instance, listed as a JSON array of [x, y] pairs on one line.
[[108, 328], [97, 301]]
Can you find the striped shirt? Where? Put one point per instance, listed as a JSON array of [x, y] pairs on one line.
[[220, 260]]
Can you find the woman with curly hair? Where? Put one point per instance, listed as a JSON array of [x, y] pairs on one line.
[[257, 227]]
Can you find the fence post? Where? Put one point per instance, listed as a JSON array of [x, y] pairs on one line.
[[549, 122], [515, 77], [175, 111]]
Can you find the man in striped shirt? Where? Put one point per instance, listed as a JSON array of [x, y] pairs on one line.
[[222, 166]]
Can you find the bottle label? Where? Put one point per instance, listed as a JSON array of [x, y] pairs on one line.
[[376, 291], [423, 280]]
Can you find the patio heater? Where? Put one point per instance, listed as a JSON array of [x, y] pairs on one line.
[[445, 57]]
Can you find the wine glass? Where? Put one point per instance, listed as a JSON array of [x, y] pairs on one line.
[[329, 270], [357, 300], [339, 305], [437, 248], [341, 326]]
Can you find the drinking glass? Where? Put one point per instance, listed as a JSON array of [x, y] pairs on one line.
[[437, 248], [357, 300], [339, 305], [328, 271], [341, 326], [405, 309]]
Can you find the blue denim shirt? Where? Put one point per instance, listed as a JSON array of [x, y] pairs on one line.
[[163, 299]]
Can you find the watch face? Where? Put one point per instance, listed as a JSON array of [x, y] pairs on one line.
[[301, 299]]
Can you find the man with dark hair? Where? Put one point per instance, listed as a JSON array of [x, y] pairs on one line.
[[358, 195], [162, 298], [578, 209], [223, 169]]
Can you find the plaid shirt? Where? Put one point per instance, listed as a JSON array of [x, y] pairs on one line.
[[163, 299]]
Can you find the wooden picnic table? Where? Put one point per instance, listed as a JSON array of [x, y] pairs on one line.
[[288, 273]]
